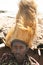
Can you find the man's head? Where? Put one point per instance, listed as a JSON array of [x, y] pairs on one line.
[[18, 48]]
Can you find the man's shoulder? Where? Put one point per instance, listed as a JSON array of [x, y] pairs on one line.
[[7, 54], [6, 57], [33, 61]]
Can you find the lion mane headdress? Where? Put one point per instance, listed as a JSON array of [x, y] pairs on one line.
[[25, 28]]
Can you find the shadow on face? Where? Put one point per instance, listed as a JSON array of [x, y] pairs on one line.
[[18, 48]]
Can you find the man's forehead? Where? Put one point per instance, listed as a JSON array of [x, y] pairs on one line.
[[17, 42]]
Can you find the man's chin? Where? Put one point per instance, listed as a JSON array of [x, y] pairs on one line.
[[19, 58]]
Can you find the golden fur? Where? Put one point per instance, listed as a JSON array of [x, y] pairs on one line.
[[25, 28]]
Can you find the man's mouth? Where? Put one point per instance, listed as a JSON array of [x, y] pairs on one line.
[[18, 55]]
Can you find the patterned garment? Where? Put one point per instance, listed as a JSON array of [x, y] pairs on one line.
[[8, 59]]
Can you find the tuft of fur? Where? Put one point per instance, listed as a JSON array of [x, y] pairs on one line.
[[25, 28]]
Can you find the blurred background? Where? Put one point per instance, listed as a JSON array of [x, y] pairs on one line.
[[12, 6]]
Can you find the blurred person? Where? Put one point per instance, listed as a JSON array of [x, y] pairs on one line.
[[20, 37]]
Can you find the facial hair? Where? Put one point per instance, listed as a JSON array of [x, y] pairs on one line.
[[19, 57]]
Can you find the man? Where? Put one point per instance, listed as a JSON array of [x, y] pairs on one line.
[[18, 55], [19, 38]]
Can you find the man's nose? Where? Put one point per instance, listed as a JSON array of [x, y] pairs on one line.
[[18, 50]]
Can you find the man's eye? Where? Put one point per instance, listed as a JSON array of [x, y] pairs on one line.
[[15, 47], [21, 47]]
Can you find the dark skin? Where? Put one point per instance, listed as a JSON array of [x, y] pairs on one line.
[[19, 51]]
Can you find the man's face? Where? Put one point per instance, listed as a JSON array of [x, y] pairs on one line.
[[19, 50]]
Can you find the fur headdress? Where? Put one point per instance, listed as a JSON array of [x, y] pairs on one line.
[[25, 28]]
